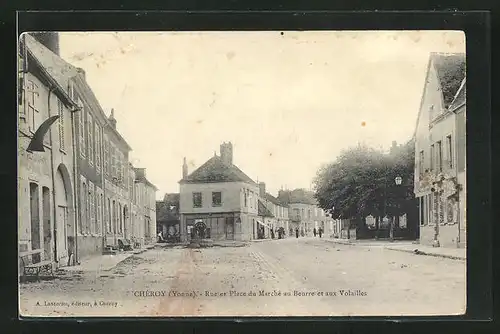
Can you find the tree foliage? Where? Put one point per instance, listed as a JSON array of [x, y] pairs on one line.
[[361, 181]]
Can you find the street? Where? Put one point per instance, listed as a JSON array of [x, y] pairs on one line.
[[301, 277]]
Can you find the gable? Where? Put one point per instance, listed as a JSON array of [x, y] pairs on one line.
[[215, 170]]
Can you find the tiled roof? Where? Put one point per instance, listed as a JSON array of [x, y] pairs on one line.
[[215, 170], [450, 69], [263, 211], [274, 200], [60, 70], [298, 196], [460, 97]]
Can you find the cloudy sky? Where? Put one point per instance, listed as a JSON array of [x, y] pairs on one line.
[[289, 103]]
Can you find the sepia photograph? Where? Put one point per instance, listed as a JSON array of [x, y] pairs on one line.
[[242, 173]]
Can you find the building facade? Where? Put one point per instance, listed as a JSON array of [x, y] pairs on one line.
[[440, 153], [147, 206], [116, 184], [219, 199], [278, 212], [89, 128], [46, 178]]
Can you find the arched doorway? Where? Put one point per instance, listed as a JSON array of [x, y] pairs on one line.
[[64, 218]]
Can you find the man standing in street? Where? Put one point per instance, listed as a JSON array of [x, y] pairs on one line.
[[320, 231], [314, 232], [297, 232]]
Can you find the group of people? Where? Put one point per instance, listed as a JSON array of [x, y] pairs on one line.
[[318, 231], [280, 231]]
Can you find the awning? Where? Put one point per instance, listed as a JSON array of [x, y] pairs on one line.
[[263, 224]]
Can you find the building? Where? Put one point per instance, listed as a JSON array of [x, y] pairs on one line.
[[46, 177], [304, 212], [89, 131], [274, 213], [440, 153], [218, 200], [168, 217], [116, 184], [146, 203]]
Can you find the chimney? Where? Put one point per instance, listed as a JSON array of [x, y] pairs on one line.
[[49, 39], [112, 119], [140, 173], [262, 189], [184, 169], [226, 153], [81, 71]]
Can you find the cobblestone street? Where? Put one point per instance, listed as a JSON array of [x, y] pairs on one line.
[[321, 277]]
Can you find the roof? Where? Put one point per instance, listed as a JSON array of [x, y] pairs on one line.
[[460, 97], [299, 196], [450, 70], [57, 68], [215, 170], [263, 211], [274, 200], [143, 179]]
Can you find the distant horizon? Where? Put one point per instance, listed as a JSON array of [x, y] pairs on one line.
[[289, 104]]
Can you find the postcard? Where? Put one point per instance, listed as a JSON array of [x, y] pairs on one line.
[[242, 173]]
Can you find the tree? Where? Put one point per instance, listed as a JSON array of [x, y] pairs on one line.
[[361, 181]]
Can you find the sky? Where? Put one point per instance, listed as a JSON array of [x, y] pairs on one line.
[[288, 102]]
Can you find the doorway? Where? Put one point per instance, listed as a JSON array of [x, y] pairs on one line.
[[47, 233], [35, 219], [230, 228]]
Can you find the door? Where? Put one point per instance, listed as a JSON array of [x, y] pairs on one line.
[[47, 233], [230, 229], [62, 233]]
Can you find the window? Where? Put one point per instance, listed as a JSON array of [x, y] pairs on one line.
[[432, 156], [83, 207], [106, 156], [197, 200], [309, 214], [97, 147], [449, 150], [109, 216], [60, 108], [91, 206], [421, 162], [216, 198], [34, 114], [81, 121], [439, 156], [90, 142]]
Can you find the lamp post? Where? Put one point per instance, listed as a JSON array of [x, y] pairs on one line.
[[398, 180]]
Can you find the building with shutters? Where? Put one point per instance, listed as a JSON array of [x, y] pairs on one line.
[[146, 207], [273, 213], [46, 177], [219, 198], [440, 153]]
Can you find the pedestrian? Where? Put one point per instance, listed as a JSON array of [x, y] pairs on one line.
[[320, 231], [160, 237], [296, 232], [314, 231]]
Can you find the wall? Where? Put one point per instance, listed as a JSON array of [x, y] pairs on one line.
[[232, 197], [41, 168], [431, 99], [447, 235]]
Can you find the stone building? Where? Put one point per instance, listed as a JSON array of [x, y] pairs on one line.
[[116, 183], [46, 176], [218, 199], [440, 153], [304, 212], [274, 213], [168, 217], [89, 131], [146, 203]]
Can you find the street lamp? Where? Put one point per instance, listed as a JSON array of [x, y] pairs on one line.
[[398, 180]]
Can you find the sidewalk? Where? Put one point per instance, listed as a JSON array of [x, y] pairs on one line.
[[101, 263], [407, 246]]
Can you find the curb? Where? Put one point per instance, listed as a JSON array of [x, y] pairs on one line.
[[419, 252]]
